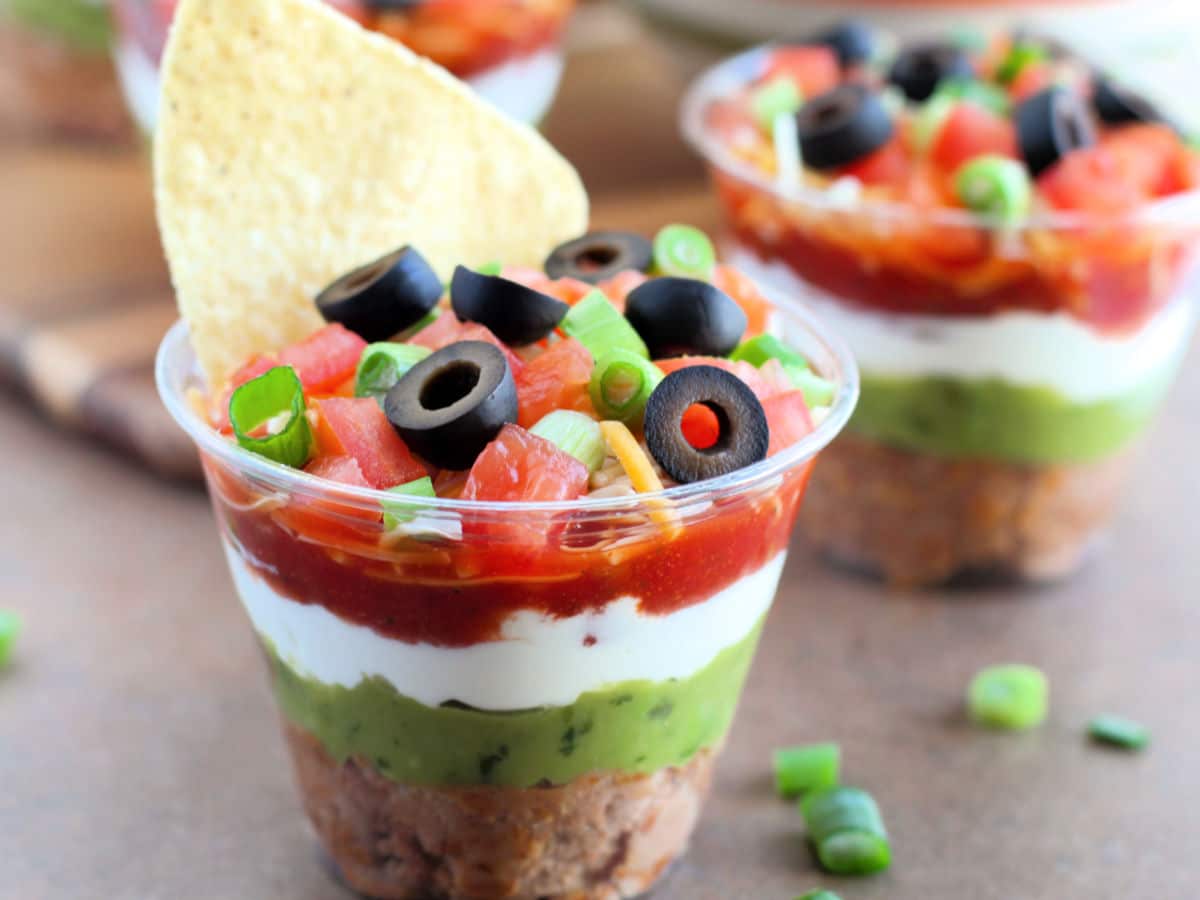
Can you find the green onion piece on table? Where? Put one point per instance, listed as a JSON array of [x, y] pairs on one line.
[[576, 434], [10, 627], [778, 97], [819, 895], [685, 252], [847, 831], [621, 384], [1020, 56], [1117, 731], [382, 365], [273, 404], [995, 186], [396, 513], [597, 324], [812, 767], [1011, 697]]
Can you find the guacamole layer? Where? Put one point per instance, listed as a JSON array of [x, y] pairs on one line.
[[994, 419], [633, 726], [84, 25]]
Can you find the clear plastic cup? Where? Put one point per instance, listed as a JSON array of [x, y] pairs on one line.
[[508, 50], [518, 700], [56, 77], [1008, 373]]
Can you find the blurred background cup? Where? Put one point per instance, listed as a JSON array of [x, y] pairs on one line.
[[510, 51]]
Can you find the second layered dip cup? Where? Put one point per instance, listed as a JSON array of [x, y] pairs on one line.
[[1008, 373], [509, 51], [508, 699]]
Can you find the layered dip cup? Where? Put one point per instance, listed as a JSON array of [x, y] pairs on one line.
[[519, 700], [509, 51], [56, 77], [1010, 368]]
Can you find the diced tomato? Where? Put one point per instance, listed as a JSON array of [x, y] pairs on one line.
[[1092, 179], [1154, 158], [519, 466], [970, 131], [338, 468], [754, 379], [814, 69], [746, 294], [789, 419], [557, 379], [700, 426], [890, 164], [449, 330], [325, 358], [357, 428], [260, 364], [621, 285], [1033, 77]]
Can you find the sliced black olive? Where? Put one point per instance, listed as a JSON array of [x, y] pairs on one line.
[[600, 255], [841, 126], [453, 402], [1117, 105], [743, 437], [384, 297], [853, 40], [918, 70], [1051, 124], [683, 316], [516, 314]]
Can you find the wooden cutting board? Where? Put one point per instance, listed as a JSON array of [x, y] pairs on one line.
[[84, 292]]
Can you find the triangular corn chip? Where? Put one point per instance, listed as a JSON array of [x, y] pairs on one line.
[[293, 146]]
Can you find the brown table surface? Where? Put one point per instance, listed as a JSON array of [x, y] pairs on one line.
[[139, 756]]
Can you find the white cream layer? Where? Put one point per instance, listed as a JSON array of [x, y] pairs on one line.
[[539, 662], [522, 88], [1052, 350]]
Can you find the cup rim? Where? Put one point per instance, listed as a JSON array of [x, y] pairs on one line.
[[176, 369], [734, 72]]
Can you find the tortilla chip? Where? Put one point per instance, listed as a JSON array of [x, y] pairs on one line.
[[293, 146]]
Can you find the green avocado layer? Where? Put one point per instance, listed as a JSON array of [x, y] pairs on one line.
[[84, 26], [993, 419], [633, 726]]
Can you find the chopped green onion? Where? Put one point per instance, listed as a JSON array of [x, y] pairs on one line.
[[275, 400], [778, 97], [10, 627], [382, 365], [847, 831], [1019, 56], [576, 434], [819, 895], [972, 90], [995, 186], [596, 324], [420, 325], [684, 251], [817, 391], [813, 767], [495, 267], [929, 120], [1012, 697], [1116, 731], [758, 350], [395, 513], [621, 384]]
